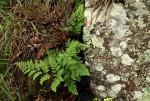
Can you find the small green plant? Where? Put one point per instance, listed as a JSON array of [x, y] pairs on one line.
[[66, 67], [76, 21]]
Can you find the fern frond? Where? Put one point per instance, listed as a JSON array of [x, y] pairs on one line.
[[52, 61], [76, 21], [27, 70], [55, 84], [44, 78], [72, 88], [36, 75], [31, 72], [35, 69], [74, 47], [44, 66]]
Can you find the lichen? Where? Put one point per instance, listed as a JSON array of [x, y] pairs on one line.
[[141, 23], [111, 78], [99, 67], [146, 96], [126, 60], [97, 41], [119, 13], [115, 90], [123, 45], [140, 9], [118, 20], [147, 55], [138, 95], [87, 13], [148, 79], [101, 88], [116, 51], [87, 36], [120, 58]]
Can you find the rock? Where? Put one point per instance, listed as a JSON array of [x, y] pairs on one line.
[[118, 53]]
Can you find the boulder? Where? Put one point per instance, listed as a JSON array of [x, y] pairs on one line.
[[118, 53]]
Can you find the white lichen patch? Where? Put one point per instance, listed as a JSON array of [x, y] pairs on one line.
[[116, 51], [126, 60], [148, 79], [138, 95], [115, 90], [141, 23], [118, 20], [147, 55], [87, 35], [123, 45], [101, 88], [140, 9], [99, 67], [97, 41], [87, 14], [119, 32], [87, 3], [111, 23], [119, 13], [111, 78]]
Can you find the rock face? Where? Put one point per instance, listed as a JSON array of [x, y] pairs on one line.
[[118, 53]]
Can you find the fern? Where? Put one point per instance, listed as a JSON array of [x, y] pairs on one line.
[[70, 68], [76, 21], [66, 67], [34, 68]]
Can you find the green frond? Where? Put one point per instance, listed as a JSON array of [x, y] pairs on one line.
[[55, 84], [60, 72], [31, 72], [76, 21], [66, 66], [52, 61], [44, 66], [27, 70], [32, 68], [37, 65], [44, 78], [36, 75], [72, 88]]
